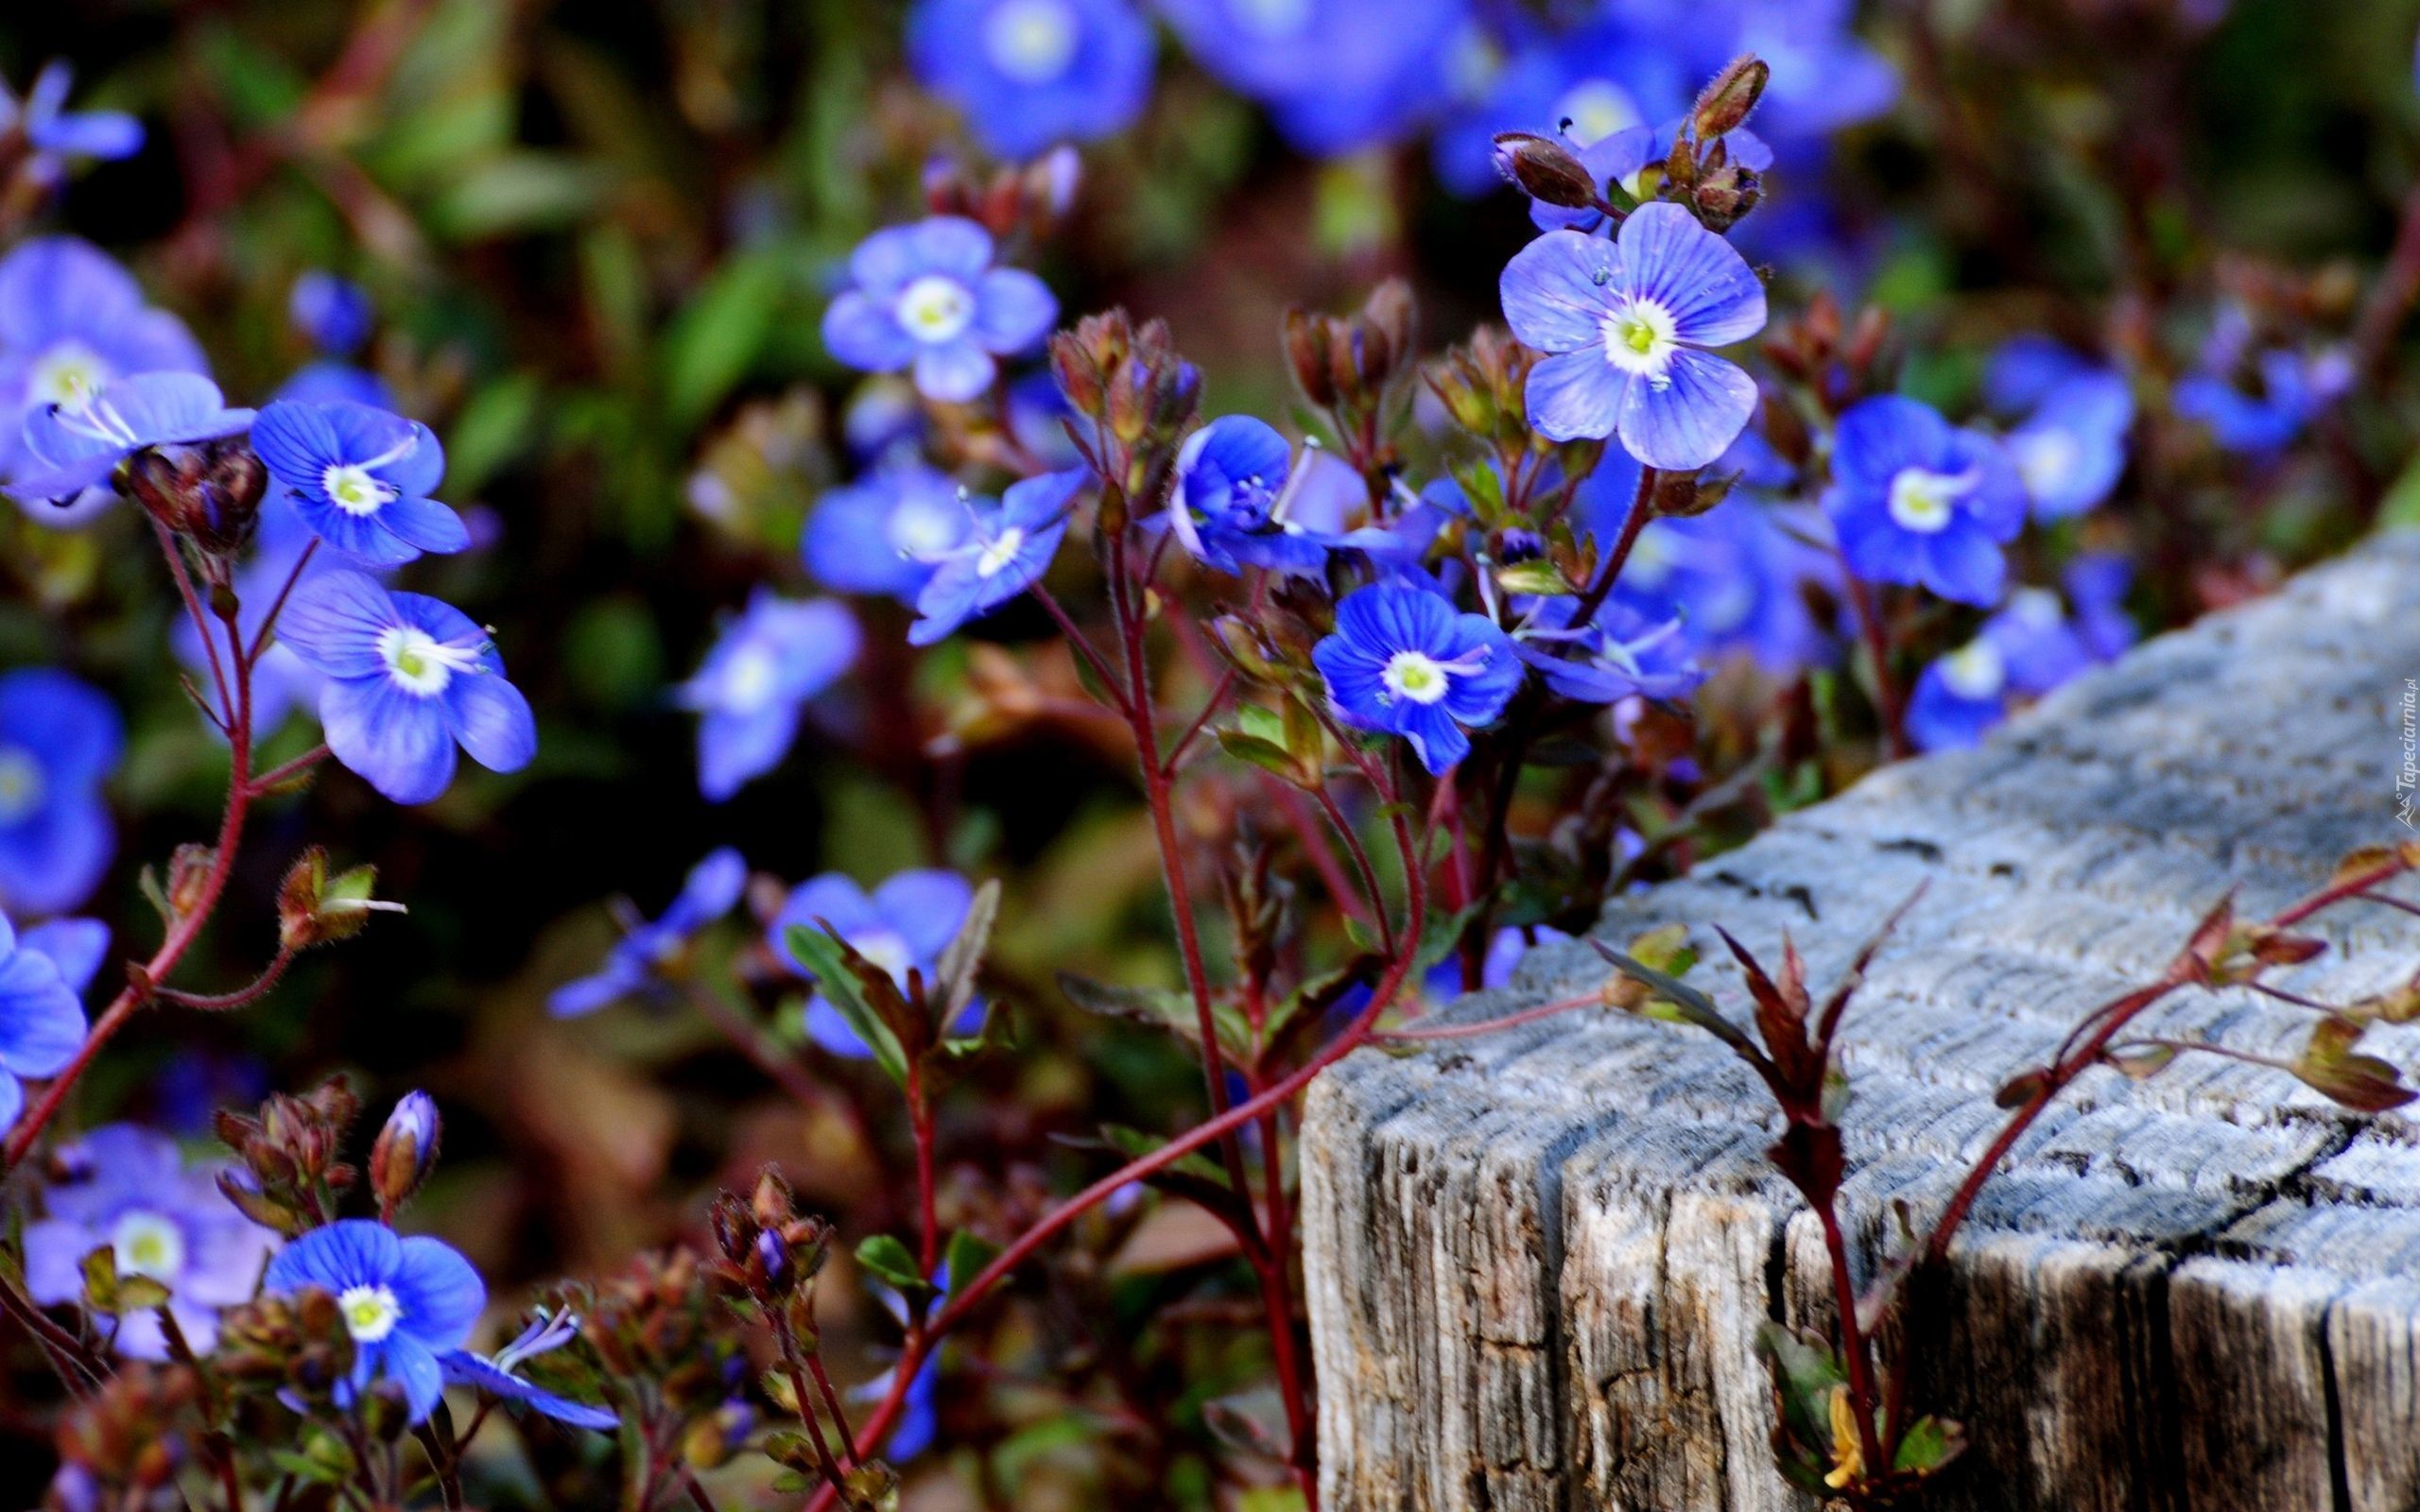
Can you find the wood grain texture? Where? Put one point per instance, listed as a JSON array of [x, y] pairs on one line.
[[1537, 1258]]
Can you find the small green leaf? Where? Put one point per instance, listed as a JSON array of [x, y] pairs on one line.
[[953, 978], [827, 959], [885, 1256], [967, 1254], [1536, 577], [1930, 1444]]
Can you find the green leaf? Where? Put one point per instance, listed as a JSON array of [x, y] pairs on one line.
[[1266, 755], [518, 192], [967, 1254], [715, 337], [884, 1257], [1537, 576], [953, 978], [495, 426], [1929, 1447], [828, 960]]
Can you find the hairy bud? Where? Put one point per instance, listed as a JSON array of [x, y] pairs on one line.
[[1544, 169], [405, 1150]]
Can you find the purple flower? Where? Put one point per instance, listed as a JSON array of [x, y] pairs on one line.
[[409, 679], [766, 664], [1623, 322], [2097, 584], [1230, 504], [882, 533], [405, 1302], [59, 738], [54, 133], [2071, 450], [75, 450], [908, 921], [1735, 577], [497, 1374], [2293, 389], [1915, 500], [359, 478], [1033, 73], [1007, 549], [635, 963], [2025, 650], [43, 974], [1403, 662], [71, 321], [128, 1189], [926, 297]]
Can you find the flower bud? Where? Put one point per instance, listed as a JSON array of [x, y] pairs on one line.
[[1725, 103], [313, 908], [405, 1150], [1544, 169]]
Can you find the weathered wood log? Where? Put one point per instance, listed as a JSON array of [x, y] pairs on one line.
[[1538, 1258]]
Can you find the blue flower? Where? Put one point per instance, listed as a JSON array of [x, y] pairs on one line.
[[58, 739], [2097, 584], [2025, 650], [128, 1189], [54, 133], [409, 677], [1606, 80], [72, 320], [766, 664], [1917, 501], [1735, 577], [359, 478], [329, 381], [331, 312], [1823, 77], [1618, 654], [1229, 508], [282, 681], [41, 1023], [882, 533], [405, 1302], [73, 450], [907, 922], [1029, 74], [711, 890], [495, 1374], [1623, 322], [2070, 451], [1007, 549], [926, 297], [1337, 75], [1405, 662], [2293, 389]]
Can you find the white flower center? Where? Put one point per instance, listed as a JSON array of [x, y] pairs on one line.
[[1271, 18], [1639, 338], [885, 950], [371, 1313], [1416, 676], [1031, 41], [352, 488], [934, 309], [1921, 499], [421, 664], [2037, 607], [1597, 108], [751, 677], [922, 529], [146, 1243], [2045, 459], [1975, 671], [68, 375], [999, 551], [21, 784]]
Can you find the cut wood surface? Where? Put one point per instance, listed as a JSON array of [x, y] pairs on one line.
[[1538, 1258]]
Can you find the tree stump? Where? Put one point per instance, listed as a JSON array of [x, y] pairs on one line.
[[1538, 1258]]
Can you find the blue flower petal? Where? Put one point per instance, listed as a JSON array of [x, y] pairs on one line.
[[397, 740], [1013, 310], [1577, 395], [1555, 291], [1713, 297], [866, 335], [1689, 420]]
